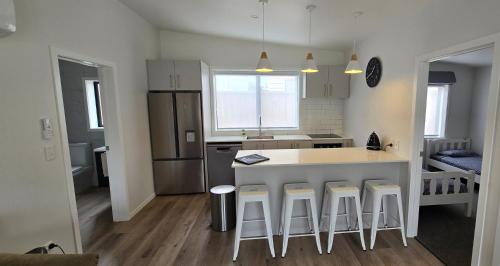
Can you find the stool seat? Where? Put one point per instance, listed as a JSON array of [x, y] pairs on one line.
[[299, 189], [253, 191], [341, 187]]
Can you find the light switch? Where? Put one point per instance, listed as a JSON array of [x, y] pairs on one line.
[[47, 130], [50, 152]]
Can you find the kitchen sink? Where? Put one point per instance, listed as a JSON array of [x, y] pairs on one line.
[[260, 137]]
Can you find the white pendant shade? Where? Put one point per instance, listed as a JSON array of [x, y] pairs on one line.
[[264, 65], [353, 67], [309, 65]]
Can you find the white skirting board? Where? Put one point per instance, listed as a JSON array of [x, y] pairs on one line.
[[139, 208]]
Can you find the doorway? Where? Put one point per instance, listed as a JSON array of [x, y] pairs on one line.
[[456, 108], [83, 108], [110, 121], [487, 202]]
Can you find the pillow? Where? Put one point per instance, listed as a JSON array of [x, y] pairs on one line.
[[456, 153]]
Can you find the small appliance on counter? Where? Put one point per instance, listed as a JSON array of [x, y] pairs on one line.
[[373, 142]]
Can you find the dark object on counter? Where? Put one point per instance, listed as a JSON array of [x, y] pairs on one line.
[[223, 207], [373, 142], [251, 159]]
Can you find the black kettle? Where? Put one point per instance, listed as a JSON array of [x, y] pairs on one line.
[[373, 142]]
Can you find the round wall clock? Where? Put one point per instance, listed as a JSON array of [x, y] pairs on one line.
[[373, 72]]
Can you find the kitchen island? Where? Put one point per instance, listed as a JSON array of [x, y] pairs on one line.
[[316, 166]]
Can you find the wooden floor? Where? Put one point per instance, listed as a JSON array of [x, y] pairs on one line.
[[175, 230], [94, 214]]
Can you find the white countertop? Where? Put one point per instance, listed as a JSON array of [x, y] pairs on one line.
[[294, 157], [276, 137]]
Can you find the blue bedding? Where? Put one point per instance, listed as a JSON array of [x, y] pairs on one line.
[[466, 163]]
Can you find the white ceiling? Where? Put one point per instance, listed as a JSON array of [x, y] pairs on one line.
[[286, 20], [477, 58]]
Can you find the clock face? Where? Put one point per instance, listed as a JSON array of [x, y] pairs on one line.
[[373, 72]]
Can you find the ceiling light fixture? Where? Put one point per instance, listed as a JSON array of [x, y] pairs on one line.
[[354, 67], [309, 64], [264, 65]]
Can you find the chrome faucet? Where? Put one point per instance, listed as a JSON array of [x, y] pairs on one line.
[[260, 126]]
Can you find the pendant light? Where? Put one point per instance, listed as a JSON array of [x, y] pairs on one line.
[[264, 65], [309, 64], [354, 67]]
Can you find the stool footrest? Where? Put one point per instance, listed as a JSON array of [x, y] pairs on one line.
[[253, 237], [388, 228], [301, 235], [256, 220], [346, 231]]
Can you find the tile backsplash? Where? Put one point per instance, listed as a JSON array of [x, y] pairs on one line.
[[321, 115]]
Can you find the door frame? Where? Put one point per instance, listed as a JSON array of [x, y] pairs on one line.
[[112, 132], [487, 210]]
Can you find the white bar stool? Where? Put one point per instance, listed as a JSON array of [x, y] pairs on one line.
[[380, 190], [299, 191], [334, 191], [253, 193]]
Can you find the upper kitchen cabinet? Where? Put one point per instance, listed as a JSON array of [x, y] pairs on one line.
[[330, 81], [169, 75]]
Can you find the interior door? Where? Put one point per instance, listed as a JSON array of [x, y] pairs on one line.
[[189, 125], [161, 75], [317, 83], [188, 75], [162, 126]]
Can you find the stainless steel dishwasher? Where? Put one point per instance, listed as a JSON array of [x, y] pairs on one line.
[[219, 159]]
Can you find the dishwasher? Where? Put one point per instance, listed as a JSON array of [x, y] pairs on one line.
[[219, 159]]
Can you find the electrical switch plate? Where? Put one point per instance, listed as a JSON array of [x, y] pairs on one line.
[[47, 130], [50, 152]]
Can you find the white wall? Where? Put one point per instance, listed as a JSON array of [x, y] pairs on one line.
[[459, 98], [479, 108], [316, 115], [34, 205], [387, 108]]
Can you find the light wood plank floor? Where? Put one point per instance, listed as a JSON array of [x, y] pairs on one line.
[[175, 230], [94, 214]]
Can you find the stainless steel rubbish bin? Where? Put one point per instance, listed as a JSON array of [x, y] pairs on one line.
[[223, 207]]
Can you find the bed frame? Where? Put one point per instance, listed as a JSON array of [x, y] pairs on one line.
[[433, 146], [448, 197]]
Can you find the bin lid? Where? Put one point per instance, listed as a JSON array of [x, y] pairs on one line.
[[224, 189]]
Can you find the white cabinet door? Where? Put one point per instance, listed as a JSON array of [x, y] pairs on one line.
[[317, 83], [338, 86], [161, 75], [188, 75]]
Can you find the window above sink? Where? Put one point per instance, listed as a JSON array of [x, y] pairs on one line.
[[240, 98]]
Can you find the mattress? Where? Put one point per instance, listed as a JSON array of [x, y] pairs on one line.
[[465, 163]]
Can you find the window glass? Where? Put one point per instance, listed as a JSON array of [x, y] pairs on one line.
[[435, 113], [94, 104]]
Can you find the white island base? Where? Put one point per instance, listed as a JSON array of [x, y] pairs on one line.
[[317, 166]]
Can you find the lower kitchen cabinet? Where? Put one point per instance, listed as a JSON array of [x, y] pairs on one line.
[[260, 145], [294, 144]]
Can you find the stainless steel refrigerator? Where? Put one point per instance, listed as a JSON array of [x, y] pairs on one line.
[[175, 121]]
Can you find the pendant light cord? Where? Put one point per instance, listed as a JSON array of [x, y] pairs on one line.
[[263, 24], [310, 26]]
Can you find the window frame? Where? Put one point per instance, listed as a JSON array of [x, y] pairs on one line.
[[213, 102], [86, 104], [443, 119]]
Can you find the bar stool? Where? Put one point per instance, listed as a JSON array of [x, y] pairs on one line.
[[334, 191], [253, 193], [299, 191], [380, 190]]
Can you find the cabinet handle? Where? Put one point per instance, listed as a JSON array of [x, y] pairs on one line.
[[178, 79], [171, 81]]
